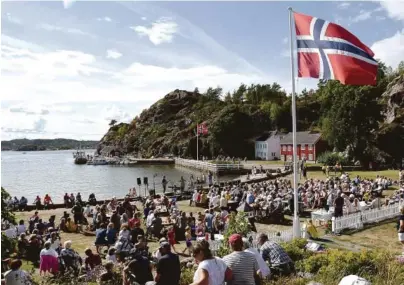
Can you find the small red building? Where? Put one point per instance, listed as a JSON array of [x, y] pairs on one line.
[[309, 146]]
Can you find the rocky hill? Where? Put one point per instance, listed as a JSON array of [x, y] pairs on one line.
[[169, 125], [366, 120]]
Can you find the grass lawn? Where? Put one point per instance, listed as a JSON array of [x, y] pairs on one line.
[[393, 174], [382, 236]]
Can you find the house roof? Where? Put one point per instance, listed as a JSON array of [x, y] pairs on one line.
[[302, 138], [266, 136]]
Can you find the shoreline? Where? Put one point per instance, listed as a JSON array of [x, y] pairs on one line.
[[179, 196]]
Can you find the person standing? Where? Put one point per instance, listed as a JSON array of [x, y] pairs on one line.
[[182, 184], [164, 183], [243, 264], [338, 205]]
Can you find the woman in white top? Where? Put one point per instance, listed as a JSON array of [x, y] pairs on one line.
[[211, 270], [124, 233]]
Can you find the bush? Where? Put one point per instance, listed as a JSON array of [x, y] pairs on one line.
[[296, 249], [331, 158], [379, 267]]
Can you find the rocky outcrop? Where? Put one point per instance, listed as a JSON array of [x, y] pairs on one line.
[[168, 128], [394, 97]]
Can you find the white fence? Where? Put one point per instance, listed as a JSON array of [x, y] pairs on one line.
[[282, 236], [357, 220], [203, 165]]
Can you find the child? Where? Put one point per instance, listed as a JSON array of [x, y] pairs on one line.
[[188, 240], [171, 238]]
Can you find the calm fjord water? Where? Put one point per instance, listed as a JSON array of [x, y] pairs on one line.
[[53, 172]]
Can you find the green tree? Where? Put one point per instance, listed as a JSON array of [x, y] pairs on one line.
[[7, 245], [112, 123], [350, 116]]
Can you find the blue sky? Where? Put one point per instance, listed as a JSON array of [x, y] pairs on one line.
[[68, 70]]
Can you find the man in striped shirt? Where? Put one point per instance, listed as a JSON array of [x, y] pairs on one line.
[[243, 264], [279, 261]]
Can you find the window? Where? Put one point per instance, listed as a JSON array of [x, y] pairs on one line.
[[310, 156], [289, 148], [273, 154], [303, 155], [284, 147], [303, 147], [310, 147]]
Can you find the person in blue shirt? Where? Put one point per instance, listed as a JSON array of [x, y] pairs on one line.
[[101, 235], [111, 234], [209, 221]]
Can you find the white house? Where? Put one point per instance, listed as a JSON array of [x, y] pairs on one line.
[[267, 147]]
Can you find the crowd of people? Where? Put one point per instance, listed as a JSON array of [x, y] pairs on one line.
[[122, 232], [46, 203]]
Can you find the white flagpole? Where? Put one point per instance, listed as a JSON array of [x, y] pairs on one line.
[[296, 220], [197, 141]]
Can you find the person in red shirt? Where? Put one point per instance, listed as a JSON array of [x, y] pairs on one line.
[[134, 221], [92, 260], [171, 238], [47, 200]]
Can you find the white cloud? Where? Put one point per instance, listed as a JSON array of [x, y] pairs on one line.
[[29, 109], [285, 40], [80, 91], [113, 112], [390, 50], [161, 31], [51, 65], [362, 16], [54, 28], [105, 19], [394, 9], [68, 3], [114, 54], [144, 18], [13, 19], [343, 5]]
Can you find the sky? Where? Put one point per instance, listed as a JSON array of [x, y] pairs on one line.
[[68, 68]]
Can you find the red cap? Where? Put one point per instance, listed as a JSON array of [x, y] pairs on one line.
[[235, 238]]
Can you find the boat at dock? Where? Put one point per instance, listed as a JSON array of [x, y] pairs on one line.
[[80, 157], [97, 161]]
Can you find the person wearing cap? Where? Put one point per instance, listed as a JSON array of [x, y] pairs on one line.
[[243, 264], [279, 261], [168, 268]]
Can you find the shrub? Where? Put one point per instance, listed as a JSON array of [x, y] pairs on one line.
[[379, 267], [296, 249], [331, 158]]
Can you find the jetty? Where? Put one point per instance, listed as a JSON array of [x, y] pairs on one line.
[[228, 168]]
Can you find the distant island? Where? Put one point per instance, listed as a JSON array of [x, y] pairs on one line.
[[46, 144]]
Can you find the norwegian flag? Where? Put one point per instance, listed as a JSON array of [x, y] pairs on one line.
[[327, 51], [202, 129]]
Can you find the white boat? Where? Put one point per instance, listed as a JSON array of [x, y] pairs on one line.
[[97, 161]]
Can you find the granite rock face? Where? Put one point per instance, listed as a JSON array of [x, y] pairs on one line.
[[394, 96]]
